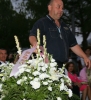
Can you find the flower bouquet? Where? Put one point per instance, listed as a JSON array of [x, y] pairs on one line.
[[35, 79]]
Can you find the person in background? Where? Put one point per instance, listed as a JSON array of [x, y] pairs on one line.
[[3, 55], [59, 38], [10, 57], [83, 77], [77, 84]]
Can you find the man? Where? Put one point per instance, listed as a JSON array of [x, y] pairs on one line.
[[59, 38], [3, 55]]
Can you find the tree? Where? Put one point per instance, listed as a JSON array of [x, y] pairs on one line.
[[12, 23], [82, 16], [6, 13]]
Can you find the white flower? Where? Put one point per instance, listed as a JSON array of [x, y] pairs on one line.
[[0, 87], [58, 98], [61, 70], [21, 70], [11, 64], [50, 88], [54, 77], [24, 99], [35, 84], [19, 52], [30, 77], [41, 64], [62, 80], [39, 68], [28, 70], [65, 88], [17, 74], [69, 92], [24, 78], [53, 74], [61, 86], [40, 59], [22, 66], [19, 81], [36, 79], [43, 76], [29, 61], [35, 73], [2, 96], [45, 83], [3, 79], [43, 69], [52, 60], [53, 64], [46, 66], [53, 70]]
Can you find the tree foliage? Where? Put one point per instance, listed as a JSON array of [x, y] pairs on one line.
[[82, 16], [12, 23]]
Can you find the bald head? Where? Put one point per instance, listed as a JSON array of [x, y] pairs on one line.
[[51, 1], [55, 8]]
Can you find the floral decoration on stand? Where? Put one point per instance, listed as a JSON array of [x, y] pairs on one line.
[[35, 80], [17, 45]]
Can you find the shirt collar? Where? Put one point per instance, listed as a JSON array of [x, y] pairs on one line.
[[3, 62], [49, 17]]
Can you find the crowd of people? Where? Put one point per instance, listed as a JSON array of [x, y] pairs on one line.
[[80, 79]]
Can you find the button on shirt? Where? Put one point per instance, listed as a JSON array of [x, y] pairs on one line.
[[58, 39]]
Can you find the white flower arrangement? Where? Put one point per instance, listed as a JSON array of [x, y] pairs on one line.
[[35, 80]]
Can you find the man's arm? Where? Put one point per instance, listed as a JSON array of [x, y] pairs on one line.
[[33, 40], [77, 50]]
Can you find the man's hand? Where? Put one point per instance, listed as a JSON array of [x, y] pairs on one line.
[[77, 50], [87, 62]]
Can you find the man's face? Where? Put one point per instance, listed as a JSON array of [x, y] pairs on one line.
[[3, 55], [56, 9]]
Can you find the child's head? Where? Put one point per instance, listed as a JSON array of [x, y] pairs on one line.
[[70, 67]]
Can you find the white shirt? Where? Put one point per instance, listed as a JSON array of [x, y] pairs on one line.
[[3, 62]]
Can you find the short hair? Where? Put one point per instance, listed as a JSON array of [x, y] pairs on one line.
[[50, 1], [3, 48], [68, 65]]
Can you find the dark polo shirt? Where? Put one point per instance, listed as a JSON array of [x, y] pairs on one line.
[[58, 39]]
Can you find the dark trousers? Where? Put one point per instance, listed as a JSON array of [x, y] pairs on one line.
[[60, 64], [76, 90]]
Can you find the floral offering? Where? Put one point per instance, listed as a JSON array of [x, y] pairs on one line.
[[35, 79]]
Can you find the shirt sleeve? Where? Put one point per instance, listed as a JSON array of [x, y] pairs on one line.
[[37, 25], [72, 39]]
